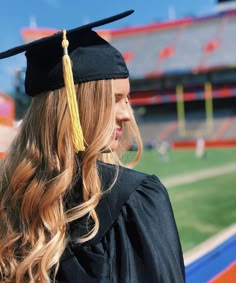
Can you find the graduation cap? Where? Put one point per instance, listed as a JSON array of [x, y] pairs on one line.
[[70, 57]]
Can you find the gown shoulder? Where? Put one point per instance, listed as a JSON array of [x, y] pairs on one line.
[[137, 239]]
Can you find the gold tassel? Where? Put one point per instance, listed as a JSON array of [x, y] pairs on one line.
[[77, 133]]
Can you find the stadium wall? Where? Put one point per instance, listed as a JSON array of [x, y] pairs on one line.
[[208, 144]]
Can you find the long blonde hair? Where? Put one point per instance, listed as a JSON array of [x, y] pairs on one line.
[[40, 169]]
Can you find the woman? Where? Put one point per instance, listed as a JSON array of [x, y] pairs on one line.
[[69, 211]]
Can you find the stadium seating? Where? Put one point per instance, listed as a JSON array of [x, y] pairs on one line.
[[183, 46], [187, 42], [156, 128]]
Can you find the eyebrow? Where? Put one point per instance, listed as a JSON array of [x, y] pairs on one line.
[[122, 94]]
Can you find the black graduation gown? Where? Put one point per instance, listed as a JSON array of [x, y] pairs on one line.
[[137, 240]]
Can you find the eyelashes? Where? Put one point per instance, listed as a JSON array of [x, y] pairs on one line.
[[122, 96]]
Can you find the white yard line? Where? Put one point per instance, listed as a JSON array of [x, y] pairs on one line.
[[208, 245], [191, 177]]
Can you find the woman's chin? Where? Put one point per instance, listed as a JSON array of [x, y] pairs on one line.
[[112, 147]]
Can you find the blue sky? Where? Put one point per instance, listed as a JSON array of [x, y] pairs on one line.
[[59, 14]]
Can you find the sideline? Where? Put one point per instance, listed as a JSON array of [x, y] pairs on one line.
[[209, 244], [192, 177]]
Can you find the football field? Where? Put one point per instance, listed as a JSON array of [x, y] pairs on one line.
[[202, 207]]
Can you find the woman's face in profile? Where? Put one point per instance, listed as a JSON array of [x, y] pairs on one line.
[[121, 89]]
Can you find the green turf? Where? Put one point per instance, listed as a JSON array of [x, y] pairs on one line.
[[183, 161], [204, 208], [201, 208]]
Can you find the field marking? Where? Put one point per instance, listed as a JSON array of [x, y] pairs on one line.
[[208, 245], [198, 175]]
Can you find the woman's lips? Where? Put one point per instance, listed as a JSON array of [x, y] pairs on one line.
[[118, 132]]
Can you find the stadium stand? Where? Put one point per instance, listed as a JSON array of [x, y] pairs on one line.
[[166, 128], [189, 52], [211, 36], [162, 56], [146, 48]]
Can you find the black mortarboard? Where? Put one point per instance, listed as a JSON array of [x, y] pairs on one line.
[[49, 65], [92, 58]]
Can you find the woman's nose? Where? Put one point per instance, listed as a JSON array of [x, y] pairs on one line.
[[123, 113]]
